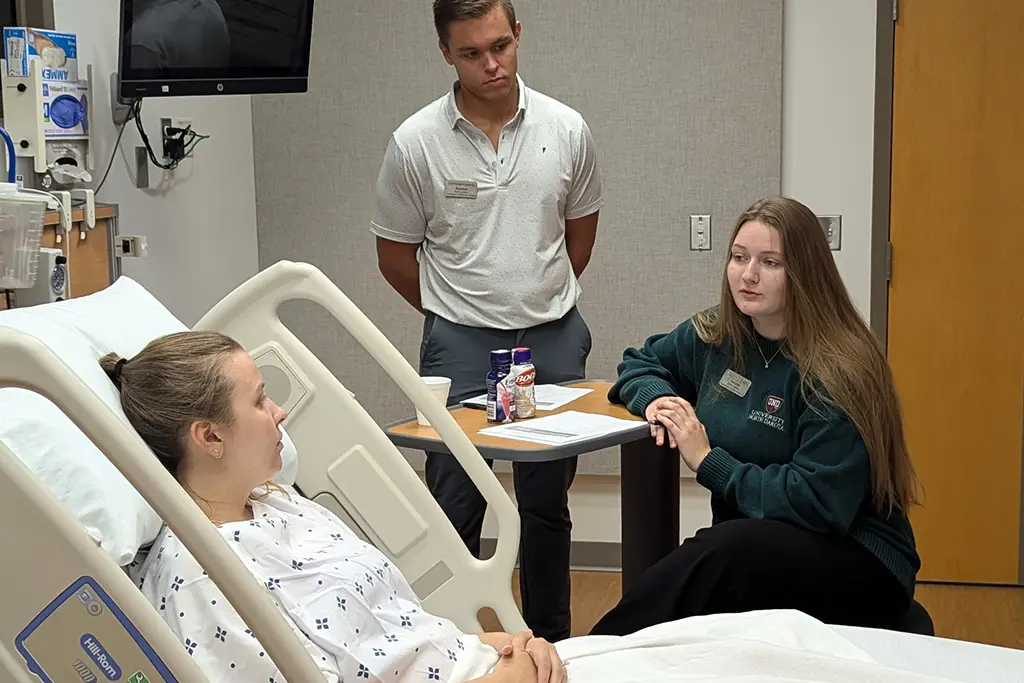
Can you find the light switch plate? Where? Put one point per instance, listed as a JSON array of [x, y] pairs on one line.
[[700, 232], [833, 227]]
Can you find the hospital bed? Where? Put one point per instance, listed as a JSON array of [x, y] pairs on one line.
[[69, 599]]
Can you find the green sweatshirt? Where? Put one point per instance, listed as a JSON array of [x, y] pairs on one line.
[[773, 456]]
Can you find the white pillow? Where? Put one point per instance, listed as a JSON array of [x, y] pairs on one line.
[[122, 318], [64, 459]]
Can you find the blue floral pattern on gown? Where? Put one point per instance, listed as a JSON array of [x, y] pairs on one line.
[[352, 609]]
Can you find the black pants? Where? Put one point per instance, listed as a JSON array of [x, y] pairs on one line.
[[560, 350], [742, 565]]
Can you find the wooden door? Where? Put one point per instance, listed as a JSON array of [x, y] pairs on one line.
[[956, 297]]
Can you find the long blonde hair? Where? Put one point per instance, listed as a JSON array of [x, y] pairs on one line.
[[840, 361]]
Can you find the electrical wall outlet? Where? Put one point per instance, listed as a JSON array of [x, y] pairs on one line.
[[174, 122], [131, 246], [833, 227], [182, 123], [178, 124], [700, 232]]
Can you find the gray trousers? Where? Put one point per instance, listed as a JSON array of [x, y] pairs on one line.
[[560, 350]]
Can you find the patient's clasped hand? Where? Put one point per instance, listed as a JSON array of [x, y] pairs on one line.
[[197, 399]]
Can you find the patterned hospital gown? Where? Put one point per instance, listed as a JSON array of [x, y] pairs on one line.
[[354, 612]]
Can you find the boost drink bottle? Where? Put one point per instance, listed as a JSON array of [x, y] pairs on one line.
[[501, 406], [524, 376]]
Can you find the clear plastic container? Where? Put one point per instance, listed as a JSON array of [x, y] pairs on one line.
[[21, 236]]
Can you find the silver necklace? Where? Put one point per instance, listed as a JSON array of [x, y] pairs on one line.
[[766, 360]]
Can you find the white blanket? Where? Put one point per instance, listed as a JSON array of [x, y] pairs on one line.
[[769, 647]]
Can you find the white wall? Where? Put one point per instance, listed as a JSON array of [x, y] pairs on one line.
[[201, 229], [828, 99], [828, 88]]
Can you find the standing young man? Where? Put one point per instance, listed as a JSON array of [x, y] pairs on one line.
[[486, 214]]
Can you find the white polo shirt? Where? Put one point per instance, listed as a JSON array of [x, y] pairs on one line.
[[491, 224]]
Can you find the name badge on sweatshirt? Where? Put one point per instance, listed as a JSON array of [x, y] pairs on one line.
[[460, 189], [734, 382]]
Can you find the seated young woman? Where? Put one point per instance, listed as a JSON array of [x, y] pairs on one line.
[[197, 399], [782, 402]]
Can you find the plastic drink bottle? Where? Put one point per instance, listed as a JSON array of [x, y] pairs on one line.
[[523, 379], [501, 405]]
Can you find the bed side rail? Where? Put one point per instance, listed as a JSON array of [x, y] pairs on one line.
[[49, 534], [341, 448]]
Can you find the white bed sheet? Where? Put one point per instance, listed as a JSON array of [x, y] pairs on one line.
[[956, 659], [775, 646]]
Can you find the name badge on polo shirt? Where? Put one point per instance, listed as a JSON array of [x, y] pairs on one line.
[[460, 189], [734, 382]]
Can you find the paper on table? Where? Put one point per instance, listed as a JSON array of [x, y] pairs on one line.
[[563, 428], [549, 397]]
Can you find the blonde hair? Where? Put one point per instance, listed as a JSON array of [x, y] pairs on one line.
[[840, 361], [173, 382]]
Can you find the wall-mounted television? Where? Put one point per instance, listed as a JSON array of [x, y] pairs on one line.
[[213, 47]]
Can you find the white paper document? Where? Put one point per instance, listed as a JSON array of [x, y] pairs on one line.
[[563, 428], [548, 396]]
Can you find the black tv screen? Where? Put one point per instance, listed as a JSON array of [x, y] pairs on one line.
[[214, 47]]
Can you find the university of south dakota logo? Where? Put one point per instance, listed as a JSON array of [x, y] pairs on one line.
[[772, 404]]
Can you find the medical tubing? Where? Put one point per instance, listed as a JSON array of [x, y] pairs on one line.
[[11, 158]]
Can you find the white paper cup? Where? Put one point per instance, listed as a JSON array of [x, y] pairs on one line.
[[439, 387]]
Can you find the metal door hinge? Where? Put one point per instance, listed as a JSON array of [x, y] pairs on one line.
[[895, 9], [888, 261]]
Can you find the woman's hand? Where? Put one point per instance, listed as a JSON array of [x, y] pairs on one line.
[[501, 642], [657, 429], [547, 666], [550, 668], [685, 431], [517, 667]]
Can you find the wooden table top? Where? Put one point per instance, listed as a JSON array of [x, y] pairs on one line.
[[472, 420]]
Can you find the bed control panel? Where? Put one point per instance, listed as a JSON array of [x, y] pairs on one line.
[[84, 636]]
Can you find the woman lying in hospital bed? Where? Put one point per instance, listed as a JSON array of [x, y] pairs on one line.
[[198, 401]]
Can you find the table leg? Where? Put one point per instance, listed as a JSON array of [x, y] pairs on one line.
[[650, 506]]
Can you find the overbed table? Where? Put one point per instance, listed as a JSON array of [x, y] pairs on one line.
[[649, 474]]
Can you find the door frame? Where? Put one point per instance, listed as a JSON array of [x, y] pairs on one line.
[[881, 190]]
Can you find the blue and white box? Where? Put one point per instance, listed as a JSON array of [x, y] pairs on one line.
[[65, 109], [57, 53]]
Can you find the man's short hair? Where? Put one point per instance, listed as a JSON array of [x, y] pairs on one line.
[[446, 12]]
